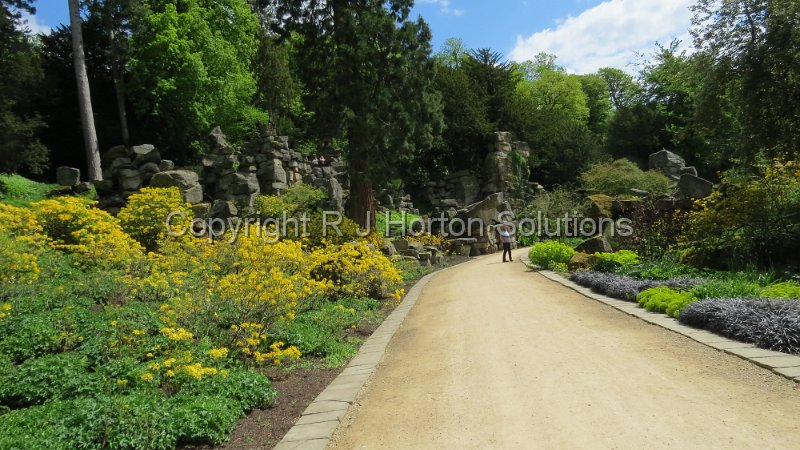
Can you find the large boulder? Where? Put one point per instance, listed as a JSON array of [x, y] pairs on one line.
[[667, 163], [487, 210], [68, 176], [597, 244], [691, 186], [582, 261], [182, 179], [601, 206], [129, 179], [333, 188], [186, 181]]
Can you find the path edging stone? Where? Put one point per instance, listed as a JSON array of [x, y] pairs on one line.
[[783, 364], [321, 418]]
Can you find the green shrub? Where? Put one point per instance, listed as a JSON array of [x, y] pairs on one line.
[[788, 289], [550, 253], [64, 375], [726, 288], [613, 261], [754, 221], [305, 198], [665, 300], [619, 177], [20, 191], [663, 269], [557, 203], [395, 217], [298, 199], [205, 419]]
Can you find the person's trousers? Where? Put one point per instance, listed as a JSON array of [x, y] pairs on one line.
[[507, 249]]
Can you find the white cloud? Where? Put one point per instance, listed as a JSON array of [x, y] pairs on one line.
[[610, 34], [444, 7], [32, 23]]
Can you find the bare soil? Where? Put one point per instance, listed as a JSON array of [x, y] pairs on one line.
[[494, 356]]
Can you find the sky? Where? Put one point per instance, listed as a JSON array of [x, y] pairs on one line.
[[585, 35]]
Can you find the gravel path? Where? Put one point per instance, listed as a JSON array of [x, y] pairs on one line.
[[493, 356]]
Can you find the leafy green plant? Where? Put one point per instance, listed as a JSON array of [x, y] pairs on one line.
[[662, 269], [549, 254], [665, 300], [787, 289], [619, 177], [17, 190], [754, 221], [726, 288], [613, 261]]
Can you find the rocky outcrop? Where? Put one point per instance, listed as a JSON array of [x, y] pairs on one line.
[[229, 180], [499, 173]]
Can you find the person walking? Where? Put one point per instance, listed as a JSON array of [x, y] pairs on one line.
[[505, 238]]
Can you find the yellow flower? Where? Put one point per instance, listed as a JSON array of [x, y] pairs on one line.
[[147, 377], [218, 353]]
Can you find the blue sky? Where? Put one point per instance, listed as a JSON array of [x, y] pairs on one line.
[[584, 34]]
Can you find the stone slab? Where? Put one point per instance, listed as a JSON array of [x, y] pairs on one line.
[[321, 417], [318, 407], [314, 444], [779, 362], [791, 372], [754, 352], [311, 431]]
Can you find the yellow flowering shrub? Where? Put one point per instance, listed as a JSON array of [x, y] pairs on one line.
[[74, 225], [18, 264], [145, 216], [269, 281], [21, 223], [428, 240], [355, 270]]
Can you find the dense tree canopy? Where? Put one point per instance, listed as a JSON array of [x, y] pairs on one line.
[[358, 78]]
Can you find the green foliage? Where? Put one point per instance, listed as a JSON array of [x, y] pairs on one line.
[[787, 289], [665, 300], [557, 203], [22, 81], [614, 261], [20, 191], [620, 176], [191, 67], [662, 269], [754, 221], [549, 254], [396, 218], [298, 199], [393, 84], [58, 376], [728, 287]]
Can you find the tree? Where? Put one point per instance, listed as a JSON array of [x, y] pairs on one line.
[[368, 75], [597, 100], [495, 80], [20, 120], [452, 53], [622, 89], [192, 68], [91, 145]]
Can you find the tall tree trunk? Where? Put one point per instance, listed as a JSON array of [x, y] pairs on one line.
[[362, 198], [84, 97], [116, 75]]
